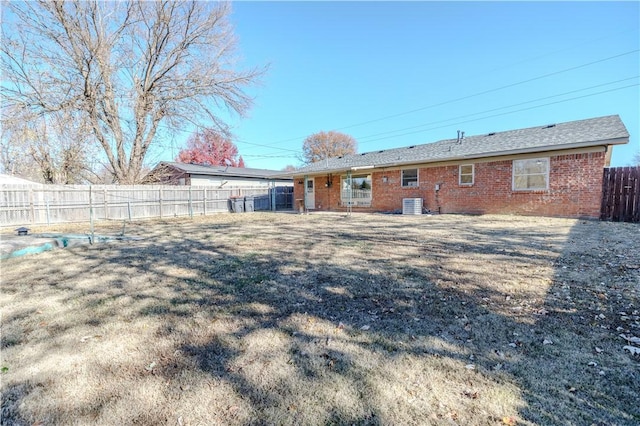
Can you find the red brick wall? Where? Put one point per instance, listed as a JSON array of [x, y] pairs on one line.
[[575, 189], [298, 191], [326, 197]]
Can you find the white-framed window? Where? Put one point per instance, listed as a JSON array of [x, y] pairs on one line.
[[410, 177], [531, 174], [356, 190], [465, 173]]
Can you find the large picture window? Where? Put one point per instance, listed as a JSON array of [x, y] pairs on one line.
[[410, 177], [358, 193], [531, 174]]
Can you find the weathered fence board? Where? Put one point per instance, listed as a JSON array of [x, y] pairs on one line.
[[49, 204], [621, 194]]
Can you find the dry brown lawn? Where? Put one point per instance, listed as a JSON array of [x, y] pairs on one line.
[[281, 319]]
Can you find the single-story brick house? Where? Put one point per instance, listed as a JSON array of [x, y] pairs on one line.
[[169, 173], [551, 170]]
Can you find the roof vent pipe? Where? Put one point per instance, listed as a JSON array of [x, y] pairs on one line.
[[458, 140]]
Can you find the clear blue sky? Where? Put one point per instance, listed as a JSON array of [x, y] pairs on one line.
[[394, 74]]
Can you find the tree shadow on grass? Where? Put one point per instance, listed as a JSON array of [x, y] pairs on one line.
[[364, 324], [583, 375]]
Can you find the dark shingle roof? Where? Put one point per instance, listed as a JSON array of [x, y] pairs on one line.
[[197, 169], [573, 134]]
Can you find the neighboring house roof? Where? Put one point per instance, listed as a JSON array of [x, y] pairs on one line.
[[14, 180], [196, 169], [607, 130]]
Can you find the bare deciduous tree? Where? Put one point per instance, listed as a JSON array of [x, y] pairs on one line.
[[326, 145], [51, 148], [13, 149], [127, 68]]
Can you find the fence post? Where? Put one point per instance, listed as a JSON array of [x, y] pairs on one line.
[[91, 212], [48, 214], [273, 196], [129, 209], [106, 208], [190, 204], [31, 206], [160, 194], [204, 200]]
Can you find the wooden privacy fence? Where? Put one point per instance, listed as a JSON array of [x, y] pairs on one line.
[[621, 194], [48, 204]]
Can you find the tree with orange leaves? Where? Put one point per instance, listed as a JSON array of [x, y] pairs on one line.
[[326, 145]]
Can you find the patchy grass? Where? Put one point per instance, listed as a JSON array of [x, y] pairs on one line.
[[325, 319]]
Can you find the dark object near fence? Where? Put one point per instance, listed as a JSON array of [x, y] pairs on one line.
[[22, 230], [621, 194], [248, 203], [236, 204], [262, 202], [283, 197]]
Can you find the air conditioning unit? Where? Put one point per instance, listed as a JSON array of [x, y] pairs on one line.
[[412, 206]]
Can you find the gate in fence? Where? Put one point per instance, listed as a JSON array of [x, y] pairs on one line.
[[621, 194]]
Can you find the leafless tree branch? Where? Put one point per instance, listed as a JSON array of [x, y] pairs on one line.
[[125, 68]]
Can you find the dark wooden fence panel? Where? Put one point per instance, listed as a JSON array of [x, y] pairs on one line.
[[621, 194]]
